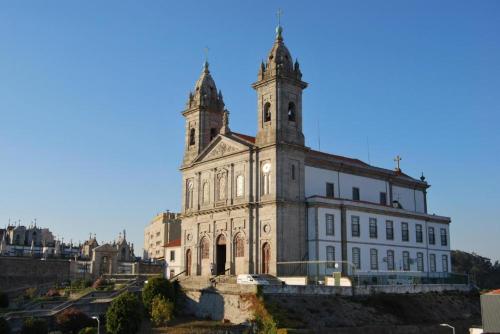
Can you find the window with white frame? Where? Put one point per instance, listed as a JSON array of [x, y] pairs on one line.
[[330, 256], [432, 236], [389, 230], [355, 232], [390, 259], [444, 237], [406, 261], [356, 258], [445, 263], [373, 228], [330, 224], [420, 261], [405, 235], [418, 233], [432, 263], [373, 259]]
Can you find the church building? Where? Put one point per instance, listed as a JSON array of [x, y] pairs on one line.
[[250, 204]]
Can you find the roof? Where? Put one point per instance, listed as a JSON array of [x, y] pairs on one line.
[[173, 243], [494, 292], [244, 137]]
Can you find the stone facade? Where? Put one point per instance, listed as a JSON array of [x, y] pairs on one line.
[[164, 228]]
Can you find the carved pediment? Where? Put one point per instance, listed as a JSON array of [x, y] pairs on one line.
[[221, 147]]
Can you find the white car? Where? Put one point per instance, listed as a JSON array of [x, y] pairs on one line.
[[251, 279]]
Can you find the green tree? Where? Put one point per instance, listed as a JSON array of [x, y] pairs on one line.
[[124, 315], [4, 326], [161, 311], [4, 300], [34, 326], [157, 287], [73, 320], [485, 274]]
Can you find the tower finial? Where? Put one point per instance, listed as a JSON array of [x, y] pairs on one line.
[[279, 29], [205, 64]]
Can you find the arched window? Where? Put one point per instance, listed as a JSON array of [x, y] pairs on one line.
[[267, 112], [189, 194], [192, 134], [291, 112], [240, 185], [239, 245], [206, 192], [204, 248]]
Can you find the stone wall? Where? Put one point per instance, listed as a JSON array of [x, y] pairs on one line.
[[17, 272]]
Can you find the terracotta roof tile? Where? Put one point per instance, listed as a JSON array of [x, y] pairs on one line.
[[173, 243], [244, 137]]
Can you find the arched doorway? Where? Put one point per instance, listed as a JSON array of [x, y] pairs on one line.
[[266, 258], [188, 262], [221, 254]]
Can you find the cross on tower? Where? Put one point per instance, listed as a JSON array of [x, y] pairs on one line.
[[205, 50], [397, 159], [278, 14]]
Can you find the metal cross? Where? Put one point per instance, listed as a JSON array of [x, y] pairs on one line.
[[278, 14], [397, 159], [205, 50]]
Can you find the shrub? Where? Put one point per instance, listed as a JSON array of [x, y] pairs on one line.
[[161, 311], [157, 287], [100, 282], [4, 300], [124, 315], [52, 293], [88, 330], [4, 326], [34, 326], [29, 293], [73, 320]]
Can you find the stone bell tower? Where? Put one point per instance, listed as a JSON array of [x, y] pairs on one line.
[[204, 112], [279, 97]]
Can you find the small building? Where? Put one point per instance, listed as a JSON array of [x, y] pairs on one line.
[[165, 227], [173, 258]]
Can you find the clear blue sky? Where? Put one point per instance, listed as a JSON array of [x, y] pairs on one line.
[[91, 134]]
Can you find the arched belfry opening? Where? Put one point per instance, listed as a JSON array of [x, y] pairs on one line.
[[221, 254], [291, 112], [192, 134], [267, 112]]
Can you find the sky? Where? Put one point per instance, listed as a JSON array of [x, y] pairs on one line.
[[91, 95]]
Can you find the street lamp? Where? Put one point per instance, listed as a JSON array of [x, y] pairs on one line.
[[98, 323], [446, 325]]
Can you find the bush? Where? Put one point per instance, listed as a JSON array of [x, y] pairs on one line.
[[4, 300], [157, 287], [124, 315], [73, 320], [4, 326], [99, 283], [35, 326], [88, 330], [52, 293], [81, 284], [161, 311], [29, 293]]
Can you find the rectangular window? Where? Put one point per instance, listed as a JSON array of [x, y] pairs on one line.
[[389, 230], [445, 263], [420, 261], [419, 235], [293, 172], [329, 190], [356, 258], [330, 256], [405, 236], [406, 261], [444, 237], [390, 259], [373, 228], [432, 236], [432, 263], [330, 224], [355, 226], [172, 273], [172, 255], [383, 198], [373, 259], [355, 194]]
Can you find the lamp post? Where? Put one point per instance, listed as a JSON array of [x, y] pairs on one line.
[[446, 325], [98, 323]]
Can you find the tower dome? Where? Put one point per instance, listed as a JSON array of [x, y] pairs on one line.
[[205, 91]]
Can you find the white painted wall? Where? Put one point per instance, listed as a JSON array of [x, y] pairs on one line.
[[175, 265]]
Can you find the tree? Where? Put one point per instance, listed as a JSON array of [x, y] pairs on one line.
[[157, 287], [4, 326], [161, 310], [124, 314], [73, 320], [34, 326], [485, 274], [4, 300]]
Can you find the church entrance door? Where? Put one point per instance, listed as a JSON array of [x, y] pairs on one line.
[[221, 254], [266, 258], [188, 262]]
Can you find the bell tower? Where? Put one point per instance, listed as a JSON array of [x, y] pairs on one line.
[[204, 112], [279, 97]]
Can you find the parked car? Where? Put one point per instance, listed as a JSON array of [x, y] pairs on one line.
[[251, 279]]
